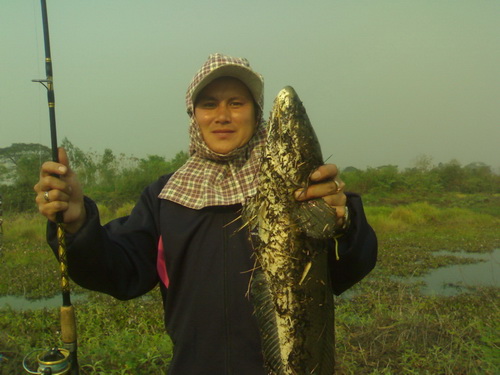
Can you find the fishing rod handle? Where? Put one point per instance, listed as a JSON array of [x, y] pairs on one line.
[[68, 324]]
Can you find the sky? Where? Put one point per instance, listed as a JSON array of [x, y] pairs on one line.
[[383, 82]]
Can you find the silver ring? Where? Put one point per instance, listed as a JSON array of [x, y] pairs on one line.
[[346, 219], [338, 186], [46, 196]]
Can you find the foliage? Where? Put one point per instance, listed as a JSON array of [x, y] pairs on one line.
[[423, 179], [116, 180], [18, 198], [82, 162], [17, 151], [20, 163], [108, 178]]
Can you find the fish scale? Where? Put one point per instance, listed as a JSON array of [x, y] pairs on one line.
[[290, 287]]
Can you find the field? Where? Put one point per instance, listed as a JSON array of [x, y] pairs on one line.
[[384, 325]]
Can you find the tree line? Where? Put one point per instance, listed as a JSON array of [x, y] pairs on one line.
[[424, 178], [108, 178], [114, 180]]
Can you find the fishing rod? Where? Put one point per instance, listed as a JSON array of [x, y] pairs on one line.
[[57, 361]]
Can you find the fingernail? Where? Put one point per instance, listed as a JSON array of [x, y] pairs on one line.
[[315, 175], [62, 169]]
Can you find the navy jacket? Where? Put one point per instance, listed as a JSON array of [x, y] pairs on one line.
[[207, 262]]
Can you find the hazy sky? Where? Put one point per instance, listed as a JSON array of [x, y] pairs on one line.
[[384, 82]]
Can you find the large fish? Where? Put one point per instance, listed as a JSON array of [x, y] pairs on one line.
[[290, 286]]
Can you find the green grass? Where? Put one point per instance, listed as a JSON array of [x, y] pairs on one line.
[[114, 337], [24, 228], [384, 326], [390, 328]]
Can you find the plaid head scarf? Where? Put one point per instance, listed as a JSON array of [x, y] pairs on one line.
[[209, 178]]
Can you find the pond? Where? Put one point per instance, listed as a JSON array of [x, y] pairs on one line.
[[455, 279], [21, 303]]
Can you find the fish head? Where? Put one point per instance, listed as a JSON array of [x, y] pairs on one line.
[[293, 153], [292, 145]]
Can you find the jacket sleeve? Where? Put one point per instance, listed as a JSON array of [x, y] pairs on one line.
[[357, 249], [118, 258]]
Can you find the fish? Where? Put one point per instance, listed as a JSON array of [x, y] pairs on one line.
[[290, 286]]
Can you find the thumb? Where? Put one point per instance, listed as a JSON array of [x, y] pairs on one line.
[[63, 157]]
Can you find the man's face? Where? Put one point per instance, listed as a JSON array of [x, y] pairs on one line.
[[225, 113]]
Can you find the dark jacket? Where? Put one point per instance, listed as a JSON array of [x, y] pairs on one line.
[[207, 258]]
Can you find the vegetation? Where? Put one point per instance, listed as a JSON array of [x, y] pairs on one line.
[[108, 178], [385, 325]]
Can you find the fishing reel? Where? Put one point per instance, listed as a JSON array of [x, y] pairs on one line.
[[55, 361]]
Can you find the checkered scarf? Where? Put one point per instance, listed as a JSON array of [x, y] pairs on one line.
[[209, 178]]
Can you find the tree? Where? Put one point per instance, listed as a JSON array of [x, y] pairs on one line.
[[423, 163], [450, 175], [16, 151], [21, 161], [178, 161], [479, 177], [82, 163], [20, 170], [131, 181]]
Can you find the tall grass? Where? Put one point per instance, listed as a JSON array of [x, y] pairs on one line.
[[24, 228], [389, 220], [400, 218]]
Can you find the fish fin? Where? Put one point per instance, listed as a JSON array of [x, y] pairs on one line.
[[264, 311], [321, 331]]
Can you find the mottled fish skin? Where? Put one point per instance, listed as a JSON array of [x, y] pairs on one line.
[[290, 288]]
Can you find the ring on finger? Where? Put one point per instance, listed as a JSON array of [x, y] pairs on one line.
[[46, 196], [338, 186], [346, 219]]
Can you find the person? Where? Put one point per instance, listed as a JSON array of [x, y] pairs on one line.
[[185, 233]]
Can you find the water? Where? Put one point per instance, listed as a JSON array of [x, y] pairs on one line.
[[21, 303], [455, 279]]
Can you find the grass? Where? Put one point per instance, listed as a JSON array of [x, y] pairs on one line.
[[114, 337], [400, 331], [26, 265], [383, 326]]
